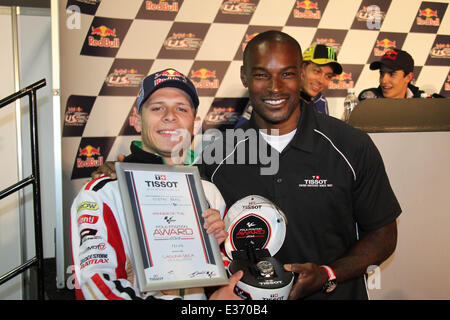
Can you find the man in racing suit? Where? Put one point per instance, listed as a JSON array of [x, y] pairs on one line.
[[101, 251]]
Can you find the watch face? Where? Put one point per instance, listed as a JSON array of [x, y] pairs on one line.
[[329, 286]]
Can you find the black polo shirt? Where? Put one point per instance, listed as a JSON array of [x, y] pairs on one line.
[[331, 185]]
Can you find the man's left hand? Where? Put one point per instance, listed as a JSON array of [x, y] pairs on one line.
[[311, 279]]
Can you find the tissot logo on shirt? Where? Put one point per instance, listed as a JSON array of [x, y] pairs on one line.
[[315, 182]]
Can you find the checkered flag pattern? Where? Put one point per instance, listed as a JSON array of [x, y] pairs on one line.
[[108, 46]]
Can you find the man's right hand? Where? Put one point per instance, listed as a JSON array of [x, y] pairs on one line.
[[108, 168]]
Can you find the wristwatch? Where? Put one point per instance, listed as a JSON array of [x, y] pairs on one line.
[[331, 284]]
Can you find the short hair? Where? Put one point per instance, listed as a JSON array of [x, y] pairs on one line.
[[271, 36]]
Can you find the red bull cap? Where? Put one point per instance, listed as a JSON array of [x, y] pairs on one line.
[[163, 79], [395, 59]]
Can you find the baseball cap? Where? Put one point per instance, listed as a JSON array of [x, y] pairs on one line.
[[395, 59], [322, 55], [163, 79]]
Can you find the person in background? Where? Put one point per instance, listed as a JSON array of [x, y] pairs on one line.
[[319, 67], [396, 73], [167, 106]]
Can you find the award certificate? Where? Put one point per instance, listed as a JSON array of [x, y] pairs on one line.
[[163, 207]]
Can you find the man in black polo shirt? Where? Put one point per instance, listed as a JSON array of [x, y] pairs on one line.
[[330, 183]]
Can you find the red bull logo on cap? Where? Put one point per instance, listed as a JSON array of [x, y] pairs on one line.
[[168, 74], [390, 54]]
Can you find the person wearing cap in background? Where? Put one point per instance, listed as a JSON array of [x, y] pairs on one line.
[[396, 73], [167, 106], [319, 67]]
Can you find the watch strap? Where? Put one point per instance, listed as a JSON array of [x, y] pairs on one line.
[[330, 285], [330, 272]]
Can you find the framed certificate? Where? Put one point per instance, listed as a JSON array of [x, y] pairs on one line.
[[163, 207]]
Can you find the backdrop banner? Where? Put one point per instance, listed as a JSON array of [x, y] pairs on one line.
[[108, 47]]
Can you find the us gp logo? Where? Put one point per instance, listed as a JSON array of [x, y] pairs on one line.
[[224, 113], [440, 51], [236, 11], [183, 40], [125, 76], [445, 91], [78, 109], [370, 15]]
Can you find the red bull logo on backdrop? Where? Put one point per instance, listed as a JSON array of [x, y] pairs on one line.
[[207, 76], [107, 37], [382, 46], [204, 79], [91, 154], [307, 10], [384, 42], [163, 5], [307, 13], [159, 9], [428, 17], [342, 81], [339, 84]]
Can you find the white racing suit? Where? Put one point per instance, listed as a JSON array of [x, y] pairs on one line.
[[101, 251]]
